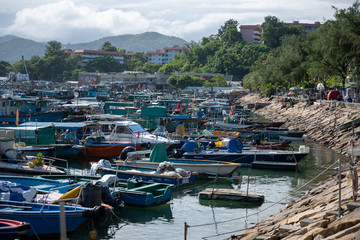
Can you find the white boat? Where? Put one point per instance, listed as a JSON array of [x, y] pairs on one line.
[[158, 159], [133, 132]]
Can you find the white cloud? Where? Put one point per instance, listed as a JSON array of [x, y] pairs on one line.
[[86, 20]]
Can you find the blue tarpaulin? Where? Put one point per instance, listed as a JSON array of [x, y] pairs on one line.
[[235, 145]]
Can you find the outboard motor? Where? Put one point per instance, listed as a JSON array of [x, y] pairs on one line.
[[212, 144], [125, 151], [178, 153]]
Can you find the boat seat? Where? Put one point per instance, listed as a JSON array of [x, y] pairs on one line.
[[44, 187], [146, 187]]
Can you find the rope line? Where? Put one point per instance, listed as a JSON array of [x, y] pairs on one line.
[[279, 201]]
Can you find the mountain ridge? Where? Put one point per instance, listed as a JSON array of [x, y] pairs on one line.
[[12, 48]]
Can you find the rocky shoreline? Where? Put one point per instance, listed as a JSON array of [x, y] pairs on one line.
[[315, 214]]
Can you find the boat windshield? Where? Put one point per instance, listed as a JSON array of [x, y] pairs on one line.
[[136, 128]]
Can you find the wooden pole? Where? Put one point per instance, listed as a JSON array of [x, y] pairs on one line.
[[339, 214], [185, 230]]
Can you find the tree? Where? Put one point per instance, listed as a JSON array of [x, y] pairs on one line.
[[273, 31], [104, 64], [5, 68], [228, 24], [107, 46]]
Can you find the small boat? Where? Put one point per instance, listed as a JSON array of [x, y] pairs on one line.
[[355, 123], [133, 192], [11, 229], [255, 158], [101, 148], [158, 155], [147, 174], [18, 163], [42, 185], [44, 218]]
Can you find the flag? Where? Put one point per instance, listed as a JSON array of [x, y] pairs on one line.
[[17, 117], [139, 85]]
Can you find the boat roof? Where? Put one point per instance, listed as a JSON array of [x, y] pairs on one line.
[[57, 125]]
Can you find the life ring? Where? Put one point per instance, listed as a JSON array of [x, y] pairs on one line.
[[148, 145]]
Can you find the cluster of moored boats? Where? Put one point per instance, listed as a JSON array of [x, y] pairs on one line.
[[132, 164]]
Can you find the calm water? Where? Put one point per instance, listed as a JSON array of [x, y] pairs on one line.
[[167, 221]]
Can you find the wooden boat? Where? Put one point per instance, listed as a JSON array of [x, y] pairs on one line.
[[41, 185], [11, 229], [146, 174], [133, 192], [107, 149], [355, 123], [230, 195], [203, 167], [253, 158], [23, 165], [44, 218]]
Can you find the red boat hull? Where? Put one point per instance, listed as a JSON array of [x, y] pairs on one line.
[[108, 149]]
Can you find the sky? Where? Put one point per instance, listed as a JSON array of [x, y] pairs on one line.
[[79, 21]]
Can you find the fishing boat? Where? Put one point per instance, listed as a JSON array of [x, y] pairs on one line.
[[42, 185], [133, 192], [16, 162], [24, 109], [44, 218], [255, 158], [158, 155], [146, 174], [133, 132], [97, 146], [11, 229]]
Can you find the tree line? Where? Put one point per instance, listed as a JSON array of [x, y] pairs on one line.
[[288, 57]]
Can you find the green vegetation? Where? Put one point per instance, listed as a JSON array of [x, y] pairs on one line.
[[289, 57]]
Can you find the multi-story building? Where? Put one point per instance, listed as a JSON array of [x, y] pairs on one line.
[[252, 33], [91, 54], [164, 56]]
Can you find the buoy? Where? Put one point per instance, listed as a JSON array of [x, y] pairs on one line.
[[93, 235]]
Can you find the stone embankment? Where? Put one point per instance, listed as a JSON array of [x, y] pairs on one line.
[[315, 214]]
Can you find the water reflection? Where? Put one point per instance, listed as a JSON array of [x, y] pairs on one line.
[[144, 215]]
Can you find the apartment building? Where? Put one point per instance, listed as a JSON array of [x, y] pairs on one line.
[[91, 54], [252, 33], [164, 56]]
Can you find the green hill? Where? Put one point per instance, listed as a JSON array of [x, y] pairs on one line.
[[12, 47]]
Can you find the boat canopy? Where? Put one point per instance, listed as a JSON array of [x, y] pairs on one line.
[[57, 125]]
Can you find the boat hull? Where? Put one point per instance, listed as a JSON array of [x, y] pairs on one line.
[[107, 149], [147, 175], [212, 168], [247, 158], [10, 229], [44, 222]]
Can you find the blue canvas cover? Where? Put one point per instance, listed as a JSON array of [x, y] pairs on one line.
[[235, 145], [190, 146]]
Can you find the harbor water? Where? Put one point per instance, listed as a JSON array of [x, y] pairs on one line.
[[212, 219]]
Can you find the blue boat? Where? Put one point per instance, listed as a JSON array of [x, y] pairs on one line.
[[41, 185], [276, 159], [146, 174], [144, 194], [44, 218], [133, 192]]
